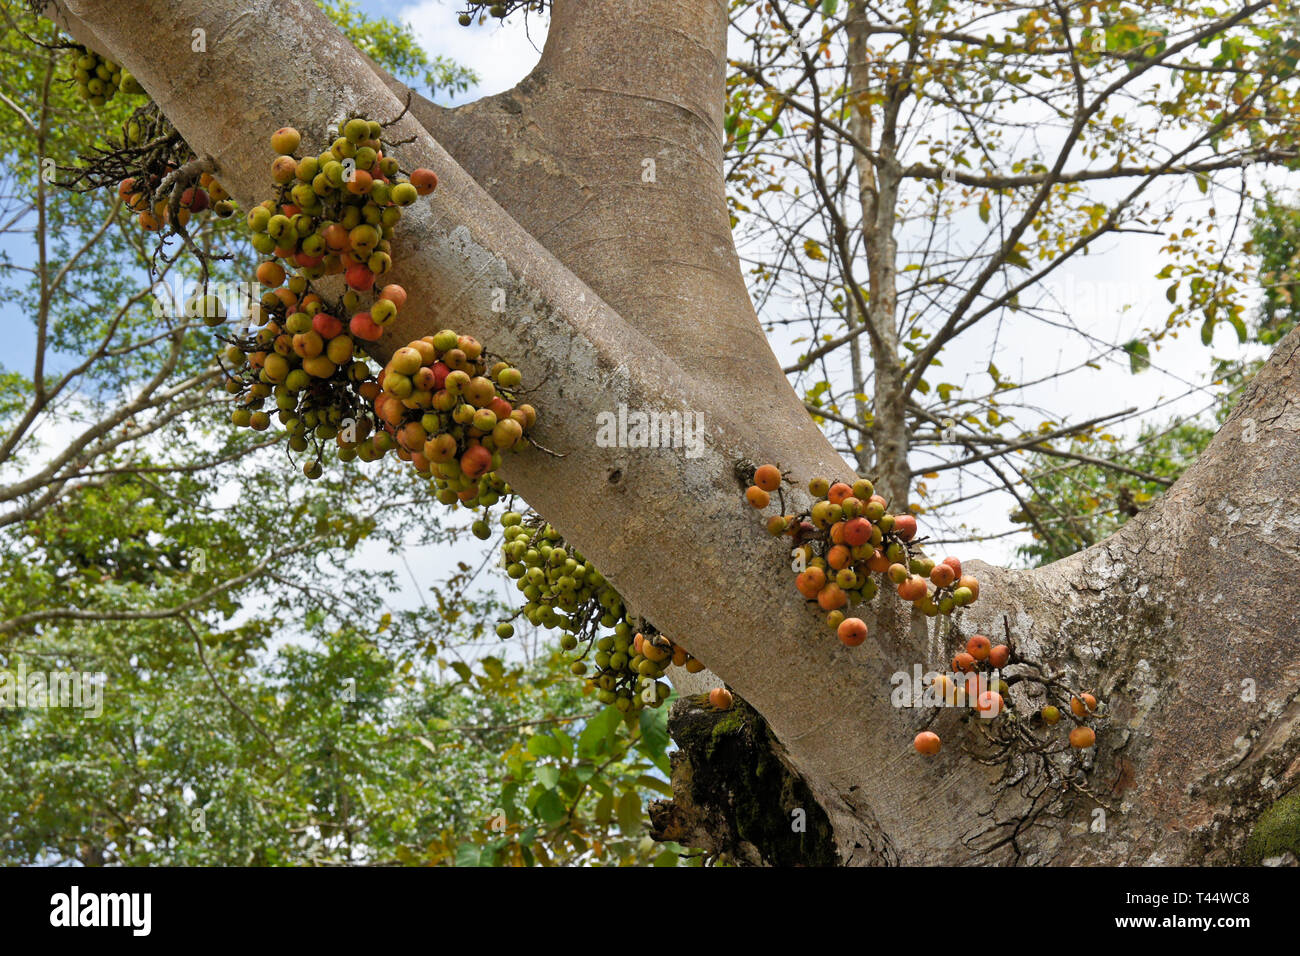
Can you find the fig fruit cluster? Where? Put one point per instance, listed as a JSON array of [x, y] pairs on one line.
[[152, 155], [99, 79], [564, 591], [441, 403], [972, 685], [302, 358], [846, 539], [152, 203], [451, 411], [336, 212]]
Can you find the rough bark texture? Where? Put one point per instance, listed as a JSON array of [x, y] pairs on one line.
[[734, 793], [623, 290]]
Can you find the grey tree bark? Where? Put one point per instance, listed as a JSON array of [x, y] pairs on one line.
[[624, 288]]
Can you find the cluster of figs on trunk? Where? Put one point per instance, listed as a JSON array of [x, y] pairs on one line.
[[979, 686], [976, 683], [97, 78], [335, 214], [441, 403], [152, 192], [153, 213], [451, 411], [622, 660], [847, 538]]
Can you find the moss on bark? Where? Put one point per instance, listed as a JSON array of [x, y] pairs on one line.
[[1276, 832], [735, 796]]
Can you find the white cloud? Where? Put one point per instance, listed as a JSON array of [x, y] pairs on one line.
[[501, 54]]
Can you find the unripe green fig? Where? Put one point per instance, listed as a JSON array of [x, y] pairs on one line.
[[355, 130], [383, 312], [207, 307], [305, 197]]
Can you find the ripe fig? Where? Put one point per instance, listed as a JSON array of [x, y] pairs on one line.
[[852, 631], [766, 477], [285, 140], [927, 742]]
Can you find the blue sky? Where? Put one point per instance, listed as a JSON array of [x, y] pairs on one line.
[[501, 54]]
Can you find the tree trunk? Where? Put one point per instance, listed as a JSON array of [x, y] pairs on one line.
[[878, 200], [625, 289]]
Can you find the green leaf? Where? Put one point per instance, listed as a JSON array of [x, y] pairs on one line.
[[654, 734], [629, 812], [1207, 330], [598, 732], [548, 775], [605, 809], [565, 742], [1139, 356], [468, 854], [543, 745], [550, 807], [654, 783], [1016, 257]]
